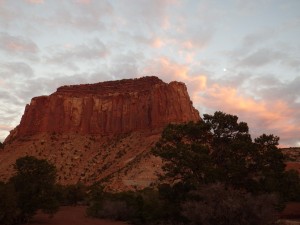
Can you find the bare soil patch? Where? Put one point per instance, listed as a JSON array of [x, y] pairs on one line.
[[71, 215], [291, 211]]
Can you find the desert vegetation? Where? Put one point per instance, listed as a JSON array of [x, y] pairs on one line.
[[213, 173], [30, 189]]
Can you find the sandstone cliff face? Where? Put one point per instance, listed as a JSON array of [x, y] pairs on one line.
[[98, 132], [107, 108]]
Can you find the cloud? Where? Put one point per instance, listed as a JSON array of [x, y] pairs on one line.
[[10, 111], [170, 71], [11, 69], [81, 15], [17, 44], [260, 58], [152, 14], [35, 1], [271, 88], [84, 1], [154, 42], [278, 115], [6, 15], [16, 94], [263, 116], [259, 38], [5, 128], [70, 55], [124, 65]]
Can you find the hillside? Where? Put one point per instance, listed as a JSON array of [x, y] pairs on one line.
[[101, 131]]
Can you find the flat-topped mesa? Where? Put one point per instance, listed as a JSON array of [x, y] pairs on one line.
[[106, 108], [112, 87]]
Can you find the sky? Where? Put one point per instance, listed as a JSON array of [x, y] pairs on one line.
[[237, 56]]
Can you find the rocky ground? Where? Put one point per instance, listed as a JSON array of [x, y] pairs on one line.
[[123, 161]]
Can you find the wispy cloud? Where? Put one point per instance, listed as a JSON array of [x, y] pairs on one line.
[[11, 69], [35, 1], [235, 56], [16, 44], [263, 113], [69, 55]]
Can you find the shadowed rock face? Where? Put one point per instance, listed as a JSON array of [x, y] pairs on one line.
[[107, 108]]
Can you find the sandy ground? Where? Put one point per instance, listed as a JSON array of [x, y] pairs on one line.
[[71, 216]]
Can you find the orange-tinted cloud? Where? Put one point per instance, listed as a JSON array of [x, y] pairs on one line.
[[263, 116], [170, 71], [157, 43]]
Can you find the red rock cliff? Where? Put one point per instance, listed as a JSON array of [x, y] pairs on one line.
[[106, 108]]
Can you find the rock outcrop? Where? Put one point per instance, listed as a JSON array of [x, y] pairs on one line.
[[107, 108], [100, 132]]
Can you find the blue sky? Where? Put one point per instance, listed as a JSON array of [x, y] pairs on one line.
[[241, 57]]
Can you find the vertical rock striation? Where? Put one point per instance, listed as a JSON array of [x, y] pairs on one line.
[[107, 108]]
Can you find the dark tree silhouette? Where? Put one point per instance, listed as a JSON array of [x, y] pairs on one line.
[[34, 183]]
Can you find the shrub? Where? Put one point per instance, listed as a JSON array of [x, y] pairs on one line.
[[116, 210], [9, 211], [218, 205]]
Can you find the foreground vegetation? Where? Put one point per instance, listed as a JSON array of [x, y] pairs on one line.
[[213, 174], [31, 188]]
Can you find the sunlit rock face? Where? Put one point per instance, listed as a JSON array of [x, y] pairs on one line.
[[106, 108], [100, 132]]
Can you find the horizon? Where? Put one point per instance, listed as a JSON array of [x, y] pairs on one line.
[[238, 57]]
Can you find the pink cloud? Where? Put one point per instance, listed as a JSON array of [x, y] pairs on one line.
[[35, 1], [5, 127], [17, 44], [170, 71], [14, 46], [263, 116], [2, 83], [276, 117], [86, 2]]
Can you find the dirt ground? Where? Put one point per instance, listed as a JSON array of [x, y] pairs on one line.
[[71, 215], [291, 211]]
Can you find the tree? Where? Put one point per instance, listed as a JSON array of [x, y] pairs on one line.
[[231, 147], [9, 212], [220, 149], [96, 196], [34, 183], [270, 167], [185, 149]]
